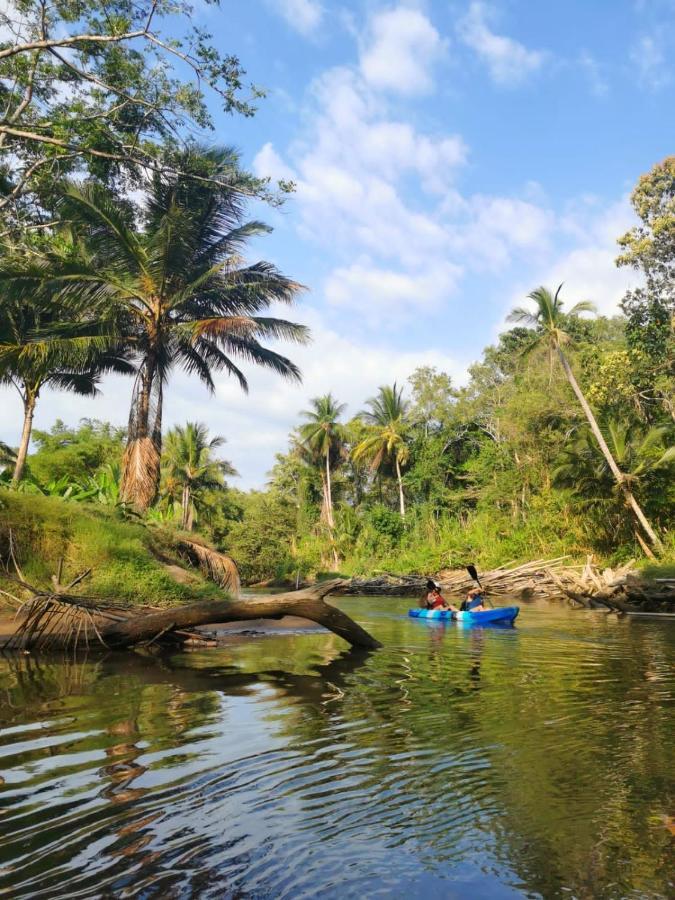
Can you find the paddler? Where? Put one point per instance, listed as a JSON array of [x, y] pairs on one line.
[[474, 601], [433, 599]]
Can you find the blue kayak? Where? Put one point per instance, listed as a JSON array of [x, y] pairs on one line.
[[503, 615]]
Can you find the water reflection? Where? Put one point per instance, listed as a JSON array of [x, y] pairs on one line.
[[492, 763]]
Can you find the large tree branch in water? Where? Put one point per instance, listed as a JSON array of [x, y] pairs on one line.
[[308, 604]]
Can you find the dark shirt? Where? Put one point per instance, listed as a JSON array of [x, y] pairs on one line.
[[475, 601]]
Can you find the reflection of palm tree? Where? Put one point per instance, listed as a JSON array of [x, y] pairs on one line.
[[122, 770], [549, 320], [387, 414]]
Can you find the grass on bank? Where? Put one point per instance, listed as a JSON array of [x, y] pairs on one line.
[[130, 562]]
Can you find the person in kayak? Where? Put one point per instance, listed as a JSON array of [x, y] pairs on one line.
[[474, 601], [433, 599]]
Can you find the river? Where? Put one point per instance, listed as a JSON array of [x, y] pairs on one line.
[[534, 761]]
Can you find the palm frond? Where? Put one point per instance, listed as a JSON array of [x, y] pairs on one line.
[[217, 566]]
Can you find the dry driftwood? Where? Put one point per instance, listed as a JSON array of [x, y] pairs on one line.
[[63, 620], [533, 578], [620, 589]]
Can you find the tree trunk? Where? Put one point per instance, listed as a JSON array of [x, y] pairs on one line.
[[619, 477], [142, 455], [401, 498], [30, 398], [329, 495], [185, 506], [307, 603]]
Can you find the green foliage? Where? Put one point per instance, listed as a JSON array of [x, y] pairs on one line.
[[650, 310], [75, 453], [262, 542], [110, 95], [483, 479], [174, 293], [191, 473], [124, 556]]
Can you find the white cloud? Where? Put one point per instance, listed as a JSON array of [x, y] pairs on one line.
[[350, 169], [385, 295], [400, 51], [268, 164], [509, 62], [648, 58], [597, 81], [499, 226], [303, 15], [588, 269]]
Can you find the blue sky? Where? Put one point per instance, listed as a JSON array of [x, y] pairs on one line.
[[449, 157]]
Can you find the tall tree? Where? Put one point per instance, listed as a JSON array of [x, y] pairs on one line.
[[549, 323], [190, 467], [104, 89], [176, 293], [30, 363], [649, 248], [325, 437], [387, 414]]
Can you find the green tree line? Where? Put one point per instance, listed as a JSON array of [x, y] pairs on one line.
[[123, 250]]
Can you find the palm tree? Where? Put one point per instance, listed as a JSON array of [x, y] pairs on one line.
[[190, 466], [325, 437], [387, 414], [548, 321], [177, 292], [30, 365]]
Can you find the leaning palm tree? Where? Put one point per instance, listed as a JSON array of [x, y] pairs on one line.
[[30, 362], [324, 436], [191, 468], [387, 443], [548, 321], [177, 292]]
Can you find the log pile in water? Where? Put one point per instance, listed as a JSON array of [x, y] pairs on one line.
[[620, 589], [532, 579]]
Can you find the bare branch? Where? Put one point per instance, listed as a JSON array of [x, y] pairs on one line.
[[71, 41]]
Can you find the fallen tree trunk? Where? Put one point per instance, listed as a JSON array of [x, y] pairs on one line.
[[307, 603], [60, 620]]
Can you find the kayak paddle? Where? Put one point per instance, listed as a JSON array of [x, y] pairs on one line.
[[473, 574]]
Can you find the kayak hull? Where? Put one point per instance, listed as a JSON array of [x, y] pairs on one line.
[[503, 615]]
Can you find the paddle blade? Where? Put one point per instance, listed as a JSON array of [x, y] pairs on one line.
[[472, 573]]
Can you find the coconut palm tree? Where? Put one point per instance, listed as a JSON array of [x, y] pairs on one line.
[[387, 414], [177, 292], [191, 468], [548, 321], [30, 362], [324, 436], [640, 453]]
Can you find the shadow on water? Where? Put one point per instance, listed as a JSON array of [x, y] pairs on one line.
[[484, 763]]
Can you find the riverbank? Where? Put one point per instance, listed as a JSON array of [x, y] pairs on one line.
[[128, 561]]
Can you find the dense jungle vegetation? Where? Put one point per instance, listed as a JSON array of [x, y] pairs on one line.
[[123, 250]]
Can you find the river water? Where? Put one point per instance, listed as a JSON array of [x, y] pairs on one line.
[[534, 761]]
